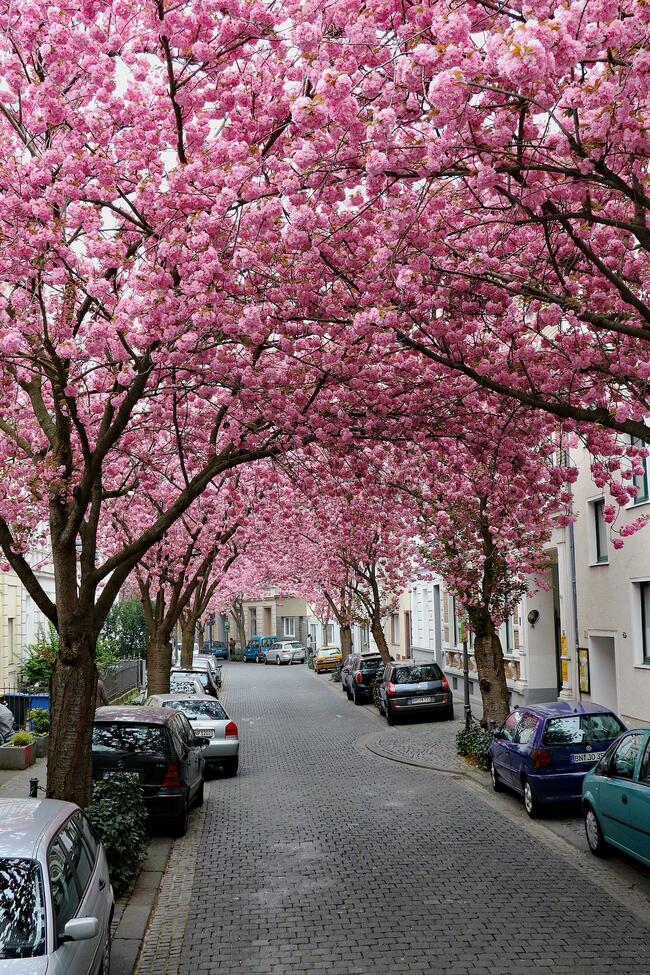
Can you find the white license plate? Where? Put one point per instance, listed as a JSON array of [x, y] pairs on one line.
[[422, 700], [204, 734], [586, 757]]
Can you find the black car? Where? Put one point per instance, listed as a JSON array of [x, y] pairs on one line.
[[206, 678], [158, 745], [411, 688], [361, 676]]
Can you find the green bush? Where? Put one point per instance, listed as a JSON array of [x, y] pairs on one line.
[[474, 743], [22, 738], [118, 816], [310, 662], [375, 688], [336, 675], [40, 718]]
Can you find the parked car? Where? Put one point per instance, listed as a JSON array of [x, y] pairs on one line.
[[210, 721], [543, 751], [616, 797], [361, 676], [183, 683], [252, 652], [409, 688], [345, 670], [327, 658], [210, 664], [158, 744], [217, 649], [285, 652], [205, 677], [56, 899]]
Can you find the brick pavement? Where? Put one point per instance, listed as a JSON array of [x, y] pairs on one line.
[[321, 857]]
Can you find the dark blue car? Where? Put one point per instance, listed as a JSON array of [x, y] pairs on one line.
[[544, 751]]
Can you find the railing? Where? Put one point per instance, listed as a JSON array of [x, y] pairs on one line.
[[123, 677]]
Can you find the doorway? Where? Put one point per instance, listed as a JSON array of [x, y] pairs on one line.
[[602, 670]]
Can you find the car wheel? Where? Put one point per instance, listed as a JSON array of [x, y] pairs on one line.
[[265, 659], [449, 714], [388, 715], [531, 803], [277, 660], [497, 784], [231, 766], [200, 795], [595, 837], [182, 820], [349, 693], [355, 696], [106, 954]]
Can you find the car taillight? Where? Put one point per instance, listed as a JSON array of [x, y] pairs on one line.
[[359, 679], [231, 730], [172, 777], [390, 689], [541, 758], [445, 684]]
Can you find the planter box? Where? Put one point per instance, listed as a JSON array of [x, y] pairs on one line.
[[16, 756], [40, 745]]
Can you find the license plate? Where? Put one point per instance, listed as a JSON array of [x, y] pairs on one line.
[[586, 757], [111, 771], [421, 700], [204, 734]]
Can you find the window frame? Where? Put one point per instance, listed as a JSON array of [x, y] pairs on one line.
[[645, 761], [610, 770], [644, 587], [55, 841], [289, 630], [645, 496], [602, 557]]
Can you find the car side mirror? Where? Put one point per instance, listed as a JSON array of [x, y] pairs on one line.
[[81, 929]]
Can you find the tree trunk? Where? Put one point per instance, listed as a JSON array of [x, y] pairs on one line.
[[201, 629], [159, 664], [73, 695], [346, 640], [491, 671], [378, 636], [237, 614], [188, 629]]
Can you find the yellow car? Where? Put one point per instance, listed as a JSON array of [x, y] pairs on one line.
[[327, 658]]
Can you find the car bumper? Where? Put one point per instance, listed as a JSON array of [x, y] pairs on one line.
[[322, 668], [402, 707], [566, 787], [165, 805], [218, 750]]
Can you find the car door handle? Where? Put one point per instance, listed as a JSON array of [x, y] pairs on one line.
[[624, 800], [102, 883]]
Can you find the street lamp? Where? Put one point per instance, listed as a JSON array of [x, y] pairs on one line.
[[467, 708]]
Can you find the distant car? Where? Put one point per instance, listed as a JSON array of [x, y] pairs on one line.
[[56, 899], [159, 745], [182, 683], [285, 652], [205, 677], [210, 664], [327, 658], [210, 721], [543, 751], [409, 688], [616, 797], [217, 649], [361, 676], [252, 652]]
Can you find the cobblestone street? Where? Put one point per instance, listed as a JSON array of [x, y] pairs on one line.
[[324, 857]]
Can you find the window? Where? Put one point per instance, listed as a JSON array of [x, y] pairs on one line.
[[644, 591], [624, 758], [129, 738], [644, 774], [417, 675], [454, 617], [582, 729], [78, 856], [289, 626], [641, 480], [65, 893], [511, 726], [329, 633], [394, 628], [527, 730], [11, 638], [600, 530], [88, 835], [510, 642], [22, 915], [252, 617]]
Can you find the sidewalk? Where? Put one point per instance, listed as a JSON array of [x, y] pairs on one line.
[[15, 785]]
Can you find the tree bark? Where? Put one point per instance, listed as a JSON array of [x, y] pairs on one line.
[[346, 639], [73, 694], [159, 663], [488, 654], [237, 614], [378, 636], [188, 629]]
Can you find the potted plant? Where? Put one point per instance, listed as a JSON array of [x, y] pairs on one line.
[[40, 722], [18, 753]]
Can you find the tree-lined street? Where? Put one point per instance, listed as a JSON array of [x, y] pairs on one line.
[[323, 857]]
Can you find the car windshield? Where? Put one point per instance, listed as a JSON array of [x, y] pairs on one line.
[[145, 739], [198, 709], [327, 652], [186, 686], [371, 663], [416, 675], [22, 913], [582, 729], [200, 675]]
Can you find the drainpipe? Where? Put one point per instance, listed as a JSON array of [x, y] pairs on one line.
[[574, 596]]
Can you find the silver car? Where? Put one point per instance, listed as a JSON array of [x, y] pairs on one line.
[[209, 721], [285, 652], [56, 899], [184, 683], [209, 663]]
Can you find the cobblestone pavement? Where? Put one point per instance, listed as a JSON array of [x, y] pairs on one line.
[[321, 857]]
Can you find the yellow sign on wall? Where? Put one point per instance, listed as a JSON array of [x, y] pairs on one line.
[[564, 645], [565, 671]]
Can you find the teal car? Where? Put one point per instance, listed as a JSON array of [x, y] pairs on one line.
[[616, 797]]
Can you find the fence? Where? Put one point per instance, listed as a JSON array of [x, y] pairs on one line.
[[122, 677]]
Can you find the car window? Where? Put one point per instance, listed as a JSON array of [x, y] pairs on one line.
[[22, 912], [202, 707], [644, 773], [178, 736], [87, 833], [582, 729], [370, 664], [131, 738], [623, 760], [70, 837], [511, 725], [527, 730], [417, 675], [65, 893], [186, 730]]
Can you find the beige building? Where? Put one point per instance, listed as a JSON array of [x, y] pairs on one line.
[[21, 621], [284, 617]]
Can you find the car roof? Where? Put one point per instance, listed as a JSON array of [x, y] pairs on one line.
[[134, 714], [182, 697], [566, 709], [413, 663], [23, 822]]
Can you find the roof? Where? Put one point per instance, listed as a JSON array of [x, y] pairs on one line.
[[134, 714], [565, 709], [24, 821], [180, 697]]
